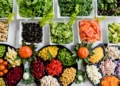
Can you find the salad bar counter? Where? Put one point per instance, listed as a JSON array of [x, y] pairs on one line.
[[59, 43]]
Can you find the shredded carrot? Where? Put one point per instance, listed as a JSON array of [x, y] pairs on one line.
[[110, 81]]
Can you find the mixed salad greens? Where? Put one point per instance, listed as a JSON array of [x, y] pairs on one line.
[[34, 8], [67, 7], [6, 8]]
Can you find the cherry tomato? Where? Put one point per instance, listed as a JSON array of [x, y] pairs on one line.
[[2, 67], [1, 73], [1, 61], [5, 63], [5, 71]]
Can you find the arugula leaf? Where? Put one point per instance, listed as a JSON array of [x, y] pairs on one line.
[[46, 19], [100, 19], [86, 61], [17, 58], [83, 76], [24, 61], [10, 17], [89, 46], [49, 55], [74, 16], [23, 43]]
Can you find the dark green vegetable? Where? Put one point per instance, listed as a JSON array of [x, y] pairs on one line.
[[6, 8], [34, 8], [108, 7], [114, 32], [67, 7], [2, 50], [65, 56], [80, 77]]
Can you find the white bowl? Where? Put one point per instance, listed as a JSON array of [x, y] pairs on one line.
[[108, 34], [12, 12], [19, 17], [20, 33], [79, 40], [59, 16], [8, 33], [51, 43], [96, 6]]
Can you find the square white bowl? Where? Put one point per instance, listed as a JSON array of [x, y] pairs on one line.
[[8, 31], [90, 16], [13, 11], [51, 43], [79, 40], [96, 6], [108, 33], [19, 17], [20, 33]]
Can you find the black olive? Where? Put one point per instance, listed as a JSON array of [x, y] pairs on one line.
[[32, 32]]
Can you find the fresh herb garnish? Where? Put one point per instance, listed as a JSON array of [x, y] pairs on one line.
[[81, 76], [30, 79]]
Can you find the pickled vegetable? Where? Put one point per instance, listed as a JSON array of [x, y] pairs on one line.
[[114, 32]]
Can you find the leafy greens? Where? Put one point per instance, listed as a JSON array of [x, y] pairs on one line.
[[6, 8], [67, 7], [34, 8]]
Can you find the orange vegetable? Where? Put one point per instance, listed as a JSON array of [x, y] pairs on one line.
[[82, 52], [1, 61], [2, 67], [110, 81], [5, 71], [89, 30], [1, 73], [5, 63], [25, 52]]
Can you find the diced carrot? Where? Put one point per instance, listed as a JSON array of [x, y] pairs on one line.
[[89, 30]]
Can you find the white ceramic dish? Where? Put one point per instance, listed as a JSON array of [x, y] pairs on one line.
[[20, 32], [19, 17], [96, 6], [90, 16], [7, 33], [79, 40], [108, 34], [51, 43]]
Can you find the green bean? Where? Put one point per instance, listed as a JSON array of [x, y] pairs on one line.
[[2, 50]]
